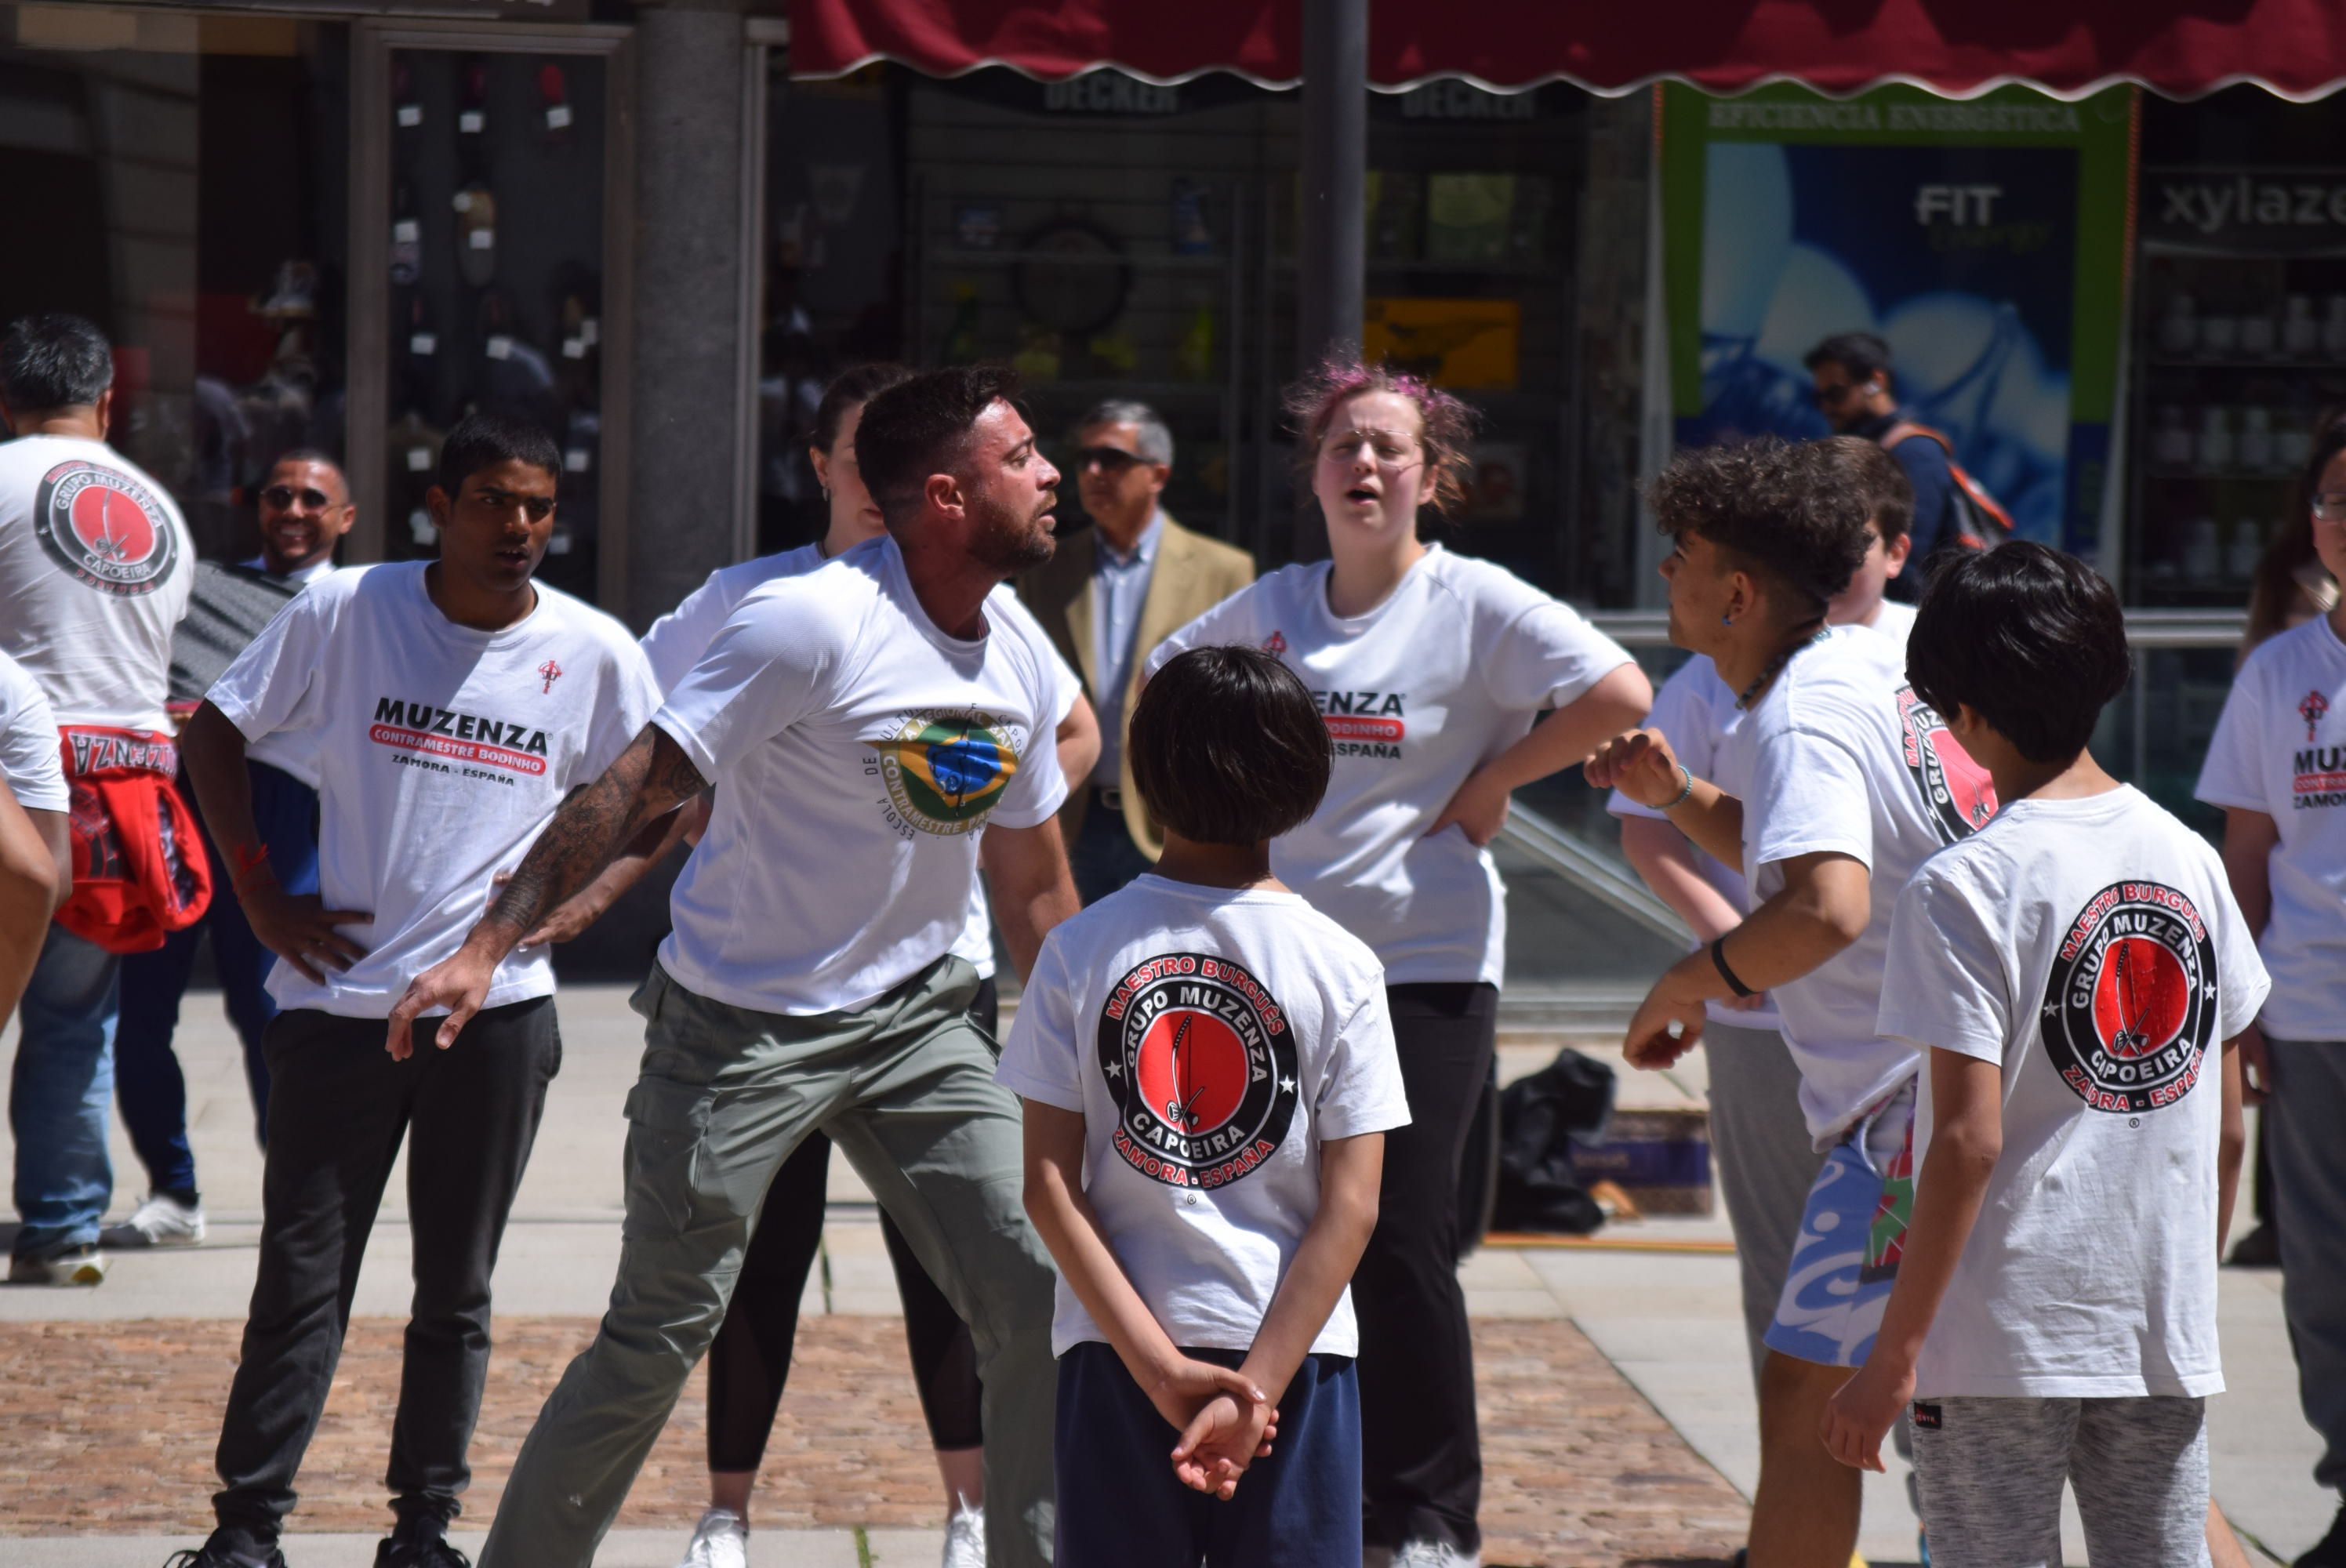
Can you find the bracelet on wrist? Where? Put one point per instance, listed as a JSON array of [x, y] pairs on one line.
[[1686, 791], [1734, 981]]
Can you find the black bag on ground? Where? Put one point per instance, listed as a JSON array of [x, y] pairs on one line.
[[1541, 1116]]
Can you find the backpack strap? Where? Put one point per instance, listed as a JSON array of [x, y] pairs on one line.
[[1907, 430]]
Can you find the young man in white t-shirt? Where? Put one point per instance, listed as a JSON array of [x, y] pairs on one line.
[[1852, 781], [1766, 1161], [1209, 1073], [448, 707], [861, 724], [2066, 970], [33, 806], [94, 568]]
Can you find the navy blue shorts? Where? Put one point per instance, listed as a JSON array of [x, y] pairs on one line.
[[1120, 1506]]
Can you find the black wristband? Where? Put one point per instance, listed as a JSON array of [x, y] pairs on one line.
[[1719, 957]]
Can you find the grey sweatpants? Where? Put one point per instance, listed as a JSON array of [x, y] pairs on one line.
[[1992, 1469], [1766, 1165], [905, 1087], [2308, 1166]]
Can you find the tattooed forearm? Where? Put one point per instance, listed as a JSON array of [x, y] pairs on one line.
[[649, 777]]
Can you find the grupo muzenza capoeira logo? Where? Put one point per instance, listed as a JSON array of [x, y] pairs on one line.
[[2131, 1004], [106, 528], [1201, 1064], [1956, 790], [945, 771]]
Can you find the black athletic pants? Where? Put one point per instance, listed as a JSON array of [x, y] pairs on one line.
[[338, 1108], [750, 1362], [1421, 1453]]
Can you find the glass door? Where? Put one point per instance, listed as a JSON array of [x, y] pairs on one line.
[[492, 162]]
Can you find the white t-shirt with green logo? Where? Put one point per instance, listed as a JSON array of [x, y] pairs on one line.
[[678, 638], [857, 750]]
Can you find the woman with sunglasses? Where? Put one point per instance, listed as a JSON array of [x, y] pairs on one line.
[[304, 511], [1432, 670], [750, 1361]]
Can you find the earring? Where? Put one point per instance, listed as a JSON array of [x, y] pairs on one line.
[[1728, 619]]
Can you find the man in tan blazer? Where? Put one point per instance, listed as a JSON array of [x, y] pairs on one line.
[[1109, 595]]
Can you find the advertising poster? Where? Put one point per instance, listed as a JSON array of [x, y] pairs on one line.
[[1984, 240]]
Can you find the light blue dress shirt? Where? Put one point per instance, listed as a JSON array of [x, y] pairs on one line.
[[1119, 592]]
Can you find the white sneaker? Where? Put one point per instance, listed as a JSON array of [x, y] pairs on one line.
[[719, 1540], [160, 1221], [1435, 1554], [82, 1266], [965, 1538]]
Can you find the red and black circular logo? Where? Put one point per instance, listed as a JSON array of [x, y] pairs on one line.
[[1200, 1063], [2131, 1004], [1956, 791], [106, 528]]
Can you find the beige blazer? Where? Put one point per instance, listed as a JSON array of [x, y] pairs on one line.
[[1193, 573]]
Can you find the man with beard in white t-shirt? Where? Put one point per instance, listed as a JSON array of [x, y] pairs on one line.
[[447, 707], [861, 724], [2066, 970], [95, 570], [1852, 782]]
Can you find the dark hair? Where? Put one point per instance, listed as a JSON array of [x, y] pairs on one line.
[[51, 359], [1226, 747], [1889, 496], [2273, 587], [921, 427], [1862, 354], [1447, 425], [2030, 639], [851, 387], [484, 439], [1794, 513]]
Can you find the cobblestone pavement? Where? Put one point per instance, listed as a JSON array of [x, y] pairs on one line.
[[111, 1428]]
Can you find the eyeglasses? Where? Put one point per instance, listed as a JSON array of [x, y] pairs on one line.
[[282, 497], [2330, 507], [1108, 460], [1832, 394]]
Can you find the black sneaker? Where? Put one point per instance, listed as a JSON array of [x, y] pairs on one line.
[[215, 1553], [2330, 1550], [419, 1544]]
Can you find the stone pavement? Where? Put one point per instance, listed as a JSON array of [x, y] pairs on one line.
[[1619, 1415]]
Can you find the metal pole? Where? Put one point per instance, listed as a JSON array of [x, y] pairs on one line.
[[1331, 281]]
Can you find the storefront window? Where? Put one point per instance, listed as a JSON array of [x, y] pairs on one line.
[[496, 277], [183, 182]]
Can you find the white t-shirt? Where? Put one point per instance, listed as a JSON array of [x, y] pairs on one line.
[[1447, 673], [441, 752], [2092, 948], [95, 570], [1212, 1040], [31, 763], [2280, 749], [1844, 759], [1697, 712], [857, 750], [678, 638]]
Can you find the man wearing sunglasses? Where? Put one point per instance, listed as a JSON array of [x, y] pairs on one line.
[[1856, 391], [304, 509], [1108, 595]]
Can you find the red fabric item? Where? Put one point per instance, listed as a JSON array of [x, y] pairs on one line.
[[140, 867], [2183, 47]]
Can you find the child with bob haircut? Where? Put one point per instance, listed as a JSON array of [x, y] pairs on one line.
[[1208, 1070], [2065, 970]]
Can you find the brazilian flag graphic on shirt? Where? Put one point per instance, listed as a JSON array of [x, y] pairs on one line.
[[946, 771]]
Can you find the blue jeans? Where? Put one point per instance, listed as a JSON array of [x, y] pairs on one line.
[[148, 1084], [59, 1092], [1104, 858]]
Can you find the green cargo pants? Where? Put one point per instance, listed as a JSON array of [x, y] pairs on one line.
[[905, 1085]]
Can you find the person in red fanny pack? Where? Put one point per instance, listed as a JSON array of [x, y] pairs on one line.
[[95, 570]]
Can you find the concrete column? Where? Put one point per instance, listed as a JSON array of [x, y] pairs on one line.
[[686, 388]]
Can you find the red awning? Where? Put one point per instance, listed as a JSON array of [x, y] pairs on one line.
[[1959, 47]]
